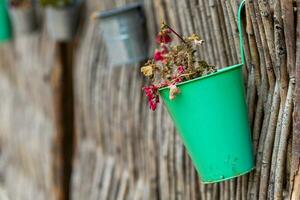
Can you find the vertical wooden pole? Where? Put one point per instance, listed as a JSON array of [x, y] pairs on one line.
[[62, 86]]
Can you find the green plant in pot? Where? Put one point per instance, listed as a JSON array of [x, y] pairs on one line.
[[5, 26], [207, 105], [61, 18], [23, 18]]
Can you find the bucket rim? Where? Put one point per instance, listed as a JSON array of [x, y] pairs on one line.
[[228, 178], [221, 71], [116, 11]]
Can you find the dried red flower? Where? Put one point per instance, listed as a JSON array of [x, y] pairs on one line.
[[158, 56], [164, 37], [164, 50], [152, 95], [180, 69]]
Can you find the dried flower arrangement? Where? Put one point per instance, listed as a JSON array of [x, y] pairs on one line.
[[173, 64]]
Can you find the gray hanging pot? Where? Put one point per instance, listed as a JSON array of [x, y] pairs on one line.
[[62, 22], [124, 34], [23, 20]]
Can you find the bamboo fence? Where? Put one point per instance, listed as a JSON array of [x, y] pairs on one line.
[[144, 156], [122, 149]]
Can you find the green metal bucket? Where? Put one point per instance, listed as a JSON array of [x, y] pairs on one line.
[[5, 26], [211, 116]]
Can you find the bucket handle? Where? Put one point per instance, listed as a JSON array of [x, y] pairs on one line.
[[242, 55]]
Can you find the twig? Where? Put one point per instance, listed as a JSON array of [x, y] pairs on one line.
[[175, 33]]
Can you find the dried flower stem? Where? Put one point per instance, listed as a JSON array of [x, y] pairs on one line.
[[187, 74], [175, 33]]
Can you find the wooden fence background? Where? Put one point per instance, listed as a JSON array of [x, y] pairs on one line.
[[122, 149], [26, 118]]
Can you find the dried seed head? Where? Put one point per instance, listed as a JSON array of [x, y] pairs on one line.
[[173, 91]]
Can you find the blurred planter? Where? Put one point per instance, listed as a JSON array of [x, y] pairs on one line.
[[5, 26], [124, 34], [23, 19], [62, 22]]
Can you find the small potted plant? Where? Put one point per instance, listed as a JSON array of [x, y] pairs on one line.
[[62, 18], [22, 16], [5, 26], [207, 105], [123, 30]]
